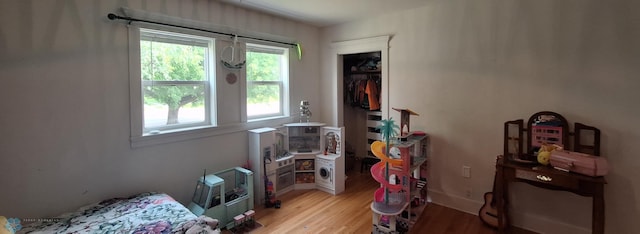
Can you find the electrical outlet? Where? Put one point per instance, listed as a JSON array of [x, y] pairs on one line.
[[468, 193], [466, 171]]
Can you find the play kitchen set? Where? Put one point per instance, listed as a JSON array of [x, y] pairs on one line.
[[306, 155]]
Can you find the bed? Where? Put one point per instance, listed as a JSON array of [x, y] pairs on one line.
[[141, 213]]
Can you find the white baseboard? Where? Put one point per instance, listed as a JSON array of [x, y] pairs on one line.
[[539, 224], [455, 202]]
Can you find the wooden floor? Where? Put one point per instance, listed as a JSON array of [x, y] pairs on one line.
[[314, 211]]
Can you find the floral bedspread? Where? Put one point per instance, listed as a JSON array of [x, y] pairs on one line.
[[142, 213]]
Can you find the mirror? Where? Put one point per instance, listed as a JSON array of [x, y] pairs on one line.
[[513, 138], [549, 128], [545, 127], [586, 139]]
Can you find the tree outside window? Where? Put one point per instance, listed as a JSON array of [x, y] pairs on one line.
[[175, 80], [267, 76]]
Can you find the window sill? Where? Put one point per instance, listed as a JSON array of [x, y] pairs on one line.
[[267, 119], [165, 137]]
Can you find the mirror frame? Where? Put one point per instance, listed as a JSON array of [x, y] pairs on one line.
[[541, 117]]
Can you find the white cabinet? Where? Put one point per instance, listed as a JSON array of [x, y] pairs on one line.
[[261, 142], [304, 138], [304, 143], [330, 165], [319, 156], [272, 165], [305, 166], [287, 157]]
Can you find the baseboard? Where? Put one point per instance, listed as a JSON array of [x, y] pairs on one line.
[[539, 224], [455, 202]]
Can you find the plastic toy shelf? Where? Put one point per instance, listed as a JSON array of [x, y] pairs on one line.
[[384, 209], [402, 195], [377, 172], [418, 191], [384, 216], [417, 162]]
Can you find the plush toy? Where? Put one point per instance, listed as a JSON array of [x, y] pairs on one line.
[[544, 154], [543, 157], [202, 224]]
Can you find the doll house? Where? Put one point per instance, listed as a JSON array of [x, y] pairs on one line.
[[402, 195]]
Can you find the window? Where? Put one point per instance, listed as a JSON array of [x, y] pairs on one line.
[[176, 74], [267, 81], [172, 80]]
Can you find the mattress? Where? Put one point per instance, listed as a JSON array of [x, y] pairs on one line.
[[141, 213]]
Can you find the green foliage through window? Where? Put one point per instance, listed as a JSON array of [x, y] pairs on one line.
[[173, 74], [262, 67], [267, 74]]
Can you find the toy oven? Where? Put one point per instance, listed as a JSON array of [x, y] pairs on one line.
[[284, 177]]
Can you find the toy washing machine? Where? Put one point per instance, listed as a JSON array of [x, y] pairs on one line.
[[325, 174]]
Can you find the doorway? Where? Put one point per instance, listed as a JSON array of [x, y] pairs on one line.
[[363, 58], [362, 83]]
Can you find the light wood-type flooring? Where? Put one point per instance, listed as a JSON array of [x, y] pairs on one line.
[[314, 211]]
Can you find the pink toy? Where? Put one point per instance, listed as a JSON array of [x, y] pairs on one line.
[[585, 164]]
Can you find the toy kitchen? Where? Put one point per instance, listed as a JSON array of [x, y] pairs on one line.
[[296, 156]]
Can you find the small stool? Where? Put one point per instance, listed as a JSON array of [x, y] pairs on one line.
[[249, 218], [367, 162], [238, 220]]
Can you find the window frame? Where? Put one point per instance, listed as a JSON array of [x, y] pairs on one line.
[[283, 83], [138, 139], [210, 104], [209, 82]]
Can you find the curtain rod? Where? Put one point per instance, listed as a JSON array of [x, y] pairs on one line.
[[112, 16]]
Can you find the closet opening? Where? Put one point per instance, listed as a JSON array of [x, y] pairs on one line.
[[362, 105], [356, 62]]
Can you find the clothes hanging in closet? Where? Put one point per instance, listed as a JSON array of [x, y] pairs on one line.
[[363, 90], [372, 92]]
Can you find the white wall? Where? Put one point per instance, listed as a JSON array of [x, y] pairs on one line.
[[64, 122], [468, 66]]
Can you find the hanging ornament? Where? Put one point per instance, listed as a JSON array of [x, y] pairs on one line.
[[231, 78], [230, 62]]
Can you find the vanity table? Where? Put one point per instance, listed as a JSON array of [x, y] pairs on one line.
[[547, 178], [518, 164]]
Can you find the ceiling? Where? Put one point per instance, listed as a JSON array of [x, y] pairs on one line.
[[323, 13]]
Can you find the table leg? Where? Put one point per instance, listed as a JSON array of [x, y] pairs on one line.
[[597, 222], [500, 195]]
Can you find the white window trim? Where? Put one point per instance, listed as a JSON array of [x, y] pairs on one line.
[[209, 84], [284, 83], [138, 139]]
